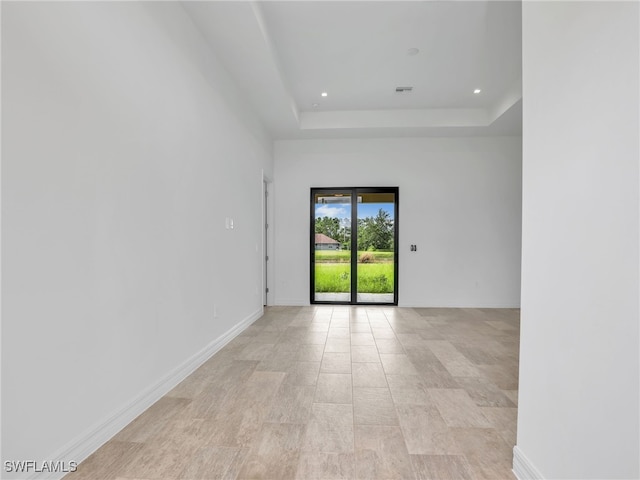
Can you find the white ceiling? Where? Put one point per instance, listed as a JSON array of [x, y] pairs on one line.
[[284, 54]]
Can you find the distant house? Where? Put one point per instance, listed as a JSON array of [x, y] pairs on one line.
[[326, 243]]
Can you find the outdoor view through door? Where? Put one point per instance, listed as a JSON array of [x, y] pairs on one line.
[[354, 247]]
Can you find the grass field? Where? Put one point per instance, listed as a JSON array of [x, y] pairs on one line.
[[344, 256], [372, 277]]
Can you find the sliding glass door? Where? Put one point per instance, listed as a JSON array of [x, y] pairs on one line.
[[354, 255]]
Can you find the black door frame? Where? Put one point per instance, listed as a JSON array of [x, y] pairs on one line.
[[353, 193]]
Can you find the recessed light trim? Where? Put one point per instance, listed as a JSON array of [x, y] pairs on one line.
[[413, 51]]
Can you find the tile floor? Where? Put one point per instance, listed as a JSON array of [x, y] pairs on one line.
[[336, 393]]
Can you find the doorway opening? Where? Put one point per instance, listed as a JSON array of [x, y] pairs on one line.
[[354, 245]]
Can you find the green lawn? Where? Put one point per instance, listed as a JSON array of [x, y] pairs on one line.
[[344, 256], [333, 278], [375, 277], [372, 277]]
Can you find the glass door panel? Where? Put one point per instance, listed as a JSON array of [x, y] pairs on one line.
[[331, 257], [376, 239], [354, 256]]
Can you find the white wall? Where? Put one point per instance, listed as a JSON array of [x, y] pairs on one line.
[[578, 405], [125, 147], [460, 202]]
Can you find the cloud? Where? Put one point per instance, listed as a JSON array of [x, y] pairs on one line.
[[331, 211]]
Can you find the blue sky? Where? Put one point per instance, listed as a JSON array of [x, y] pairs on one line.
[[344, 210]]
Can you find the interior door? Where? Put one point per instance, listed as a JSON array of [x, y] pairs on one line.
[[354, 254]]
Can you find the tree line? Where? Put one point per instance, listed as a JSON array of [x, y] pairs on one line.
[[374, 233]]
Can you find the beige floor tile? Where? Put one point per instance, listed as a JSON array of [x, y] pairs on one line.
[[340, 322], [336, 362], [183, 431], [240, 416], [504, 420], [320, 326], [238, 429], [364, 353], [358, 315], [430, 333], [411, 408], [206, 404], [477, 354], [484, 393], [368, 375], [441, 467], [131, 478], [255, 351], [233, 372], [424, 430], [504, 377], [381, 453], [291, 404], [502, 325], [408, 389], [330, 429], [362, 339], [270, 336], [310, 353], [314, 338], [421, 356], [409, 340], [512, 395], [333, 388], [454, 361], [389, 345], [277, 361], [214, 462], [106, 462], [339, 332], [275, 452], [303, 373], [338, 345], [303, 336], [158, 461], [373, 406], [153, 420], [190, 387], [487, 453], [457, 408], [326, 466], [264, 383], [384, 332], [397, 364], [436, 376], [360, 327]]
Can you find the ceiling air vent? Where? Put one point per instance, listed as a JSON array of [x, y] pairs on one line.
[[404, 89]]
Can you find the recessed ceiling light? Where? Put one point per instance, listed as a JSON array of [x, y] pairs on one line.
[[477, 90], [314, 105], [413, 51], [324, 94]]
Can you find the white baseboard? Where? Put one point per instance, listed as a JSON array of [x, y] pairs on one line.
[[84, 445], [523, 468], [421, 303], [415, 303]]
